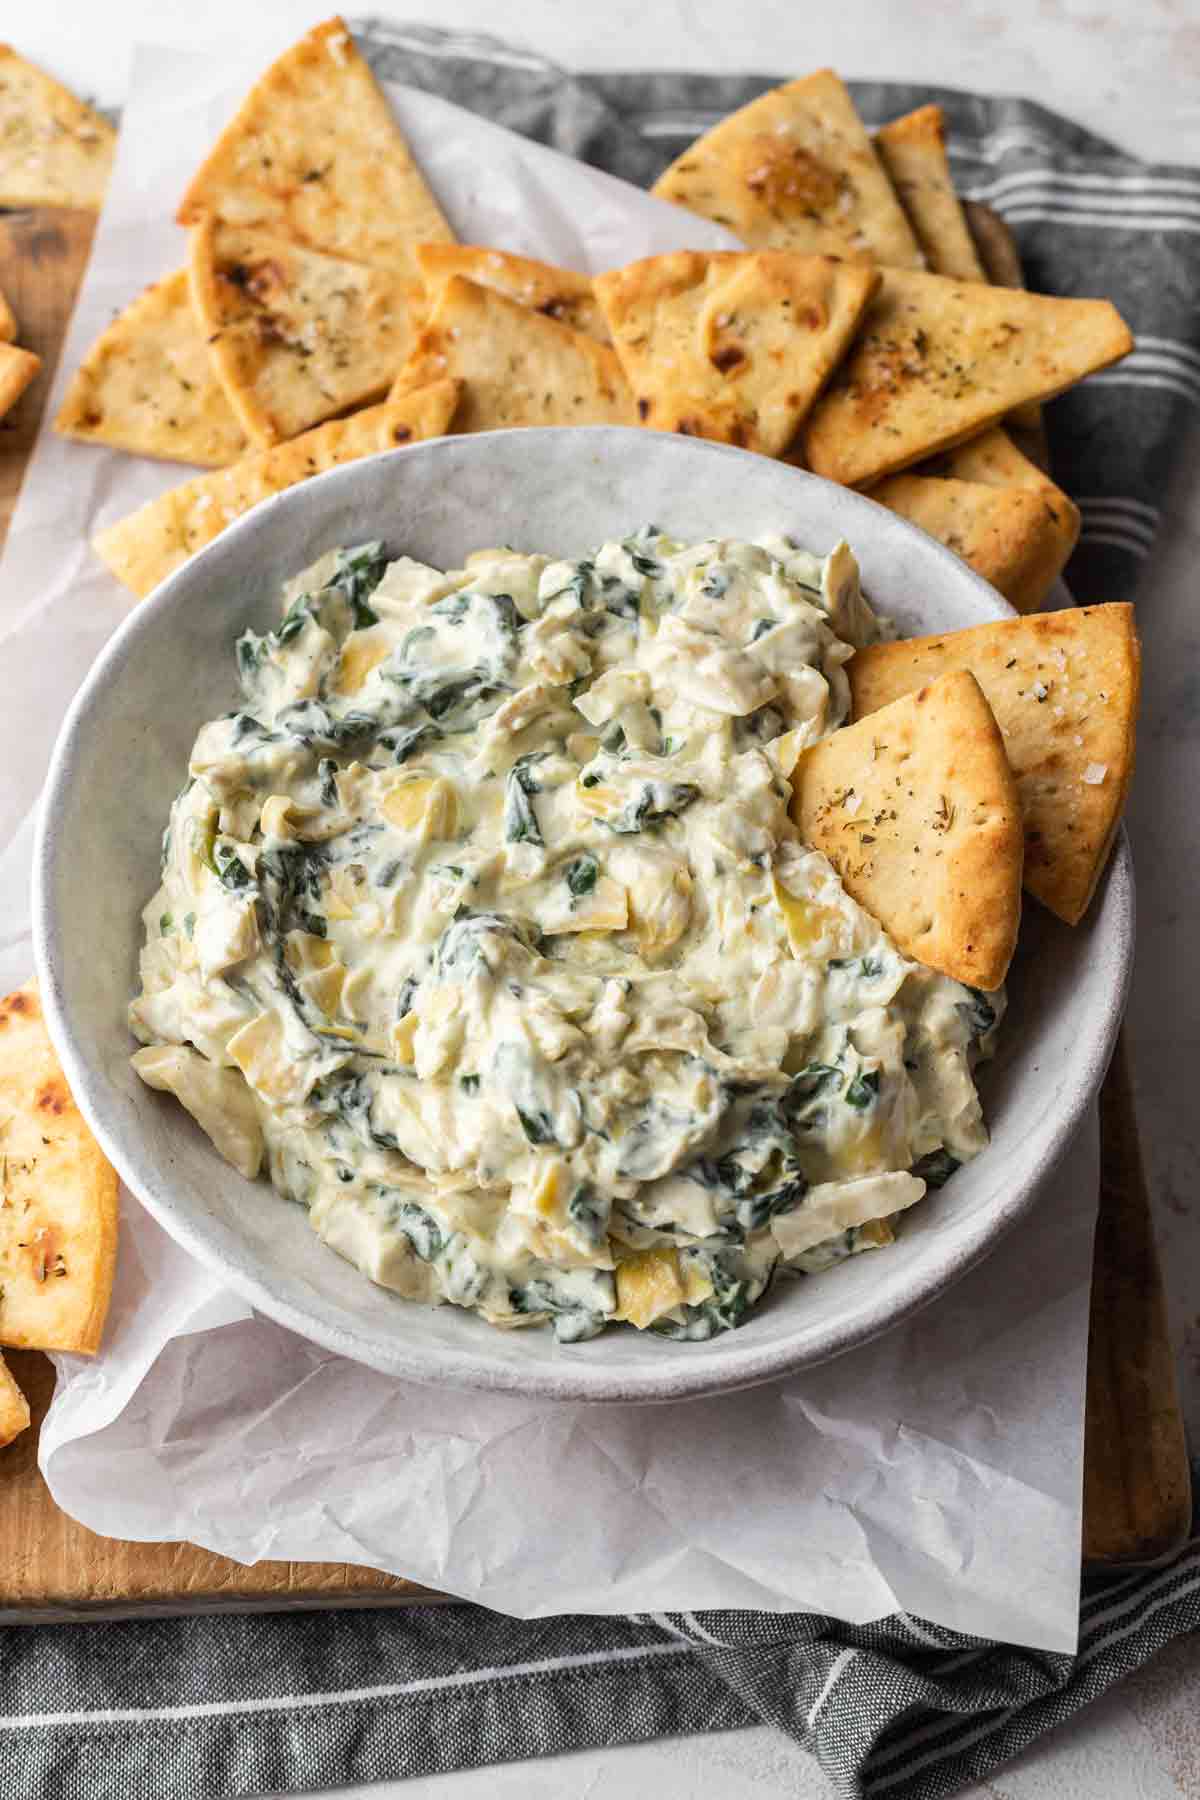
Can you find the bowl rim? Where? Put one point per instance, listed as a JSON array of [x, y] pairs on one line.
[[574, 1381]]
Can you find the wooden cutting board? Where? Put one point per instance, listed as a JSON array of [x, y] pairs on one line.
[[1137, 1499]]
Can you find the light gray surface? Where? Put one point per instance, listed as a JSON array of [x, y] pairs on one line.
[[122, 756]]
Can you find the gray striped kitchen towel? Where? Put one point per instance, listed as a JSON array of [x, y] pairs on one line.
[[213, 1706], [207, 1707]]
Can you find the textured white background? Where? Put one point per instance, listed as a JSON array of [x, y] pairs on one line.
[[1130, 69]]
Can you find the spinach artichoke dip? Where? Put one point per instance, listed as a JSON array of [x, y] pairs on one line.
[[483, 923]]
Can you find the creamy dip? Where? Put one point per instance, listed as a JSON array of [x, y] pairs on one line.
[[483, 923]]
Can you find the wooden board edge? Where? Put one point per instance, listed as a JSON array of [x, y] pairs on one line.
[[1137, 1491]]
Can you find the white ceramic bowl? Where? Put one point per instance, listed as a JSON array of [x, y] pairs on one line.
[[122, 755]]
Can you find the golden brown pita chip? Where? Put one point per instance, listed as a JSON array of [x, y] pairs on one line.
[[732, 347], [426, 412], [8, 323], [58, 1196], [54, 150], [148, 385], [1011, 536], [143, 548], [315, 156], [936, 360], [561, 294], [993, 458], [795, 170], [1064, 688], [296, 336], [997, 251], [518, 367], [913, 151], [917, 810], [14, 1408], [17, 370]]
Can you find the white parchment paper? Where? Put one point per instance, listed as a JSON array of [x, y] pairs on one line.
[[937, 1471]]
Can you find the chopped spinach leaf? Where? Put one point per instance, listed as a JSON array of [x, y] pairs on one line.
[[358, 572], [936, 1168], [653, 802], [520, 819], [327, 776], [863, 1090], [978, 1011], [230, 868], [581, 874]]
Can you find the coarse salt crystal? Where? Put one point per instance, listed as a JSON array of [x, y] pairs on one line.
[[1040, 690], [1094, 774]]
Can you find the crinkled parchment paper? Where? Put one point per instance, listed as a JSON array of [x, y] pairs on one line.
[[937, 1471]]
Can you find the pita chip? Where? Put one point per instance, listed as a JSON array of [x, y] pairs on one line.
[[561, 294], [148, 545], [994, 459], [314, 156], [17, 369], [8, 323], [296, 336], [917, 810], [14, 1408], [54, 150], [518, 367], [935, 361], [1064, 688], [1011, 536], [732, 347], [796, 170], [147, 385], [913, 151], [58, 1196]]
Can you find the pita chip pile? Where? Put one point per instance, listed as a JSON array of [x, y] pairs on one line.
[[869, 331]]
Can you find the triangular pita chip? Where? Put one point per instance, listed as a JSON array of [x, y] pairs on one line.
[[996, 248], [296, 336], [795, 170], [14, 1408], [993, 458], [917, 810], [936, 360], [1013, 536], [519, 367], [58, 1196], [54, 150], [143, 548], [314, 155], [148, 385], [8, 323], [426, 412], [561, 294], [1064, 688], [17, 370], [733, 347], [913, 151]]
